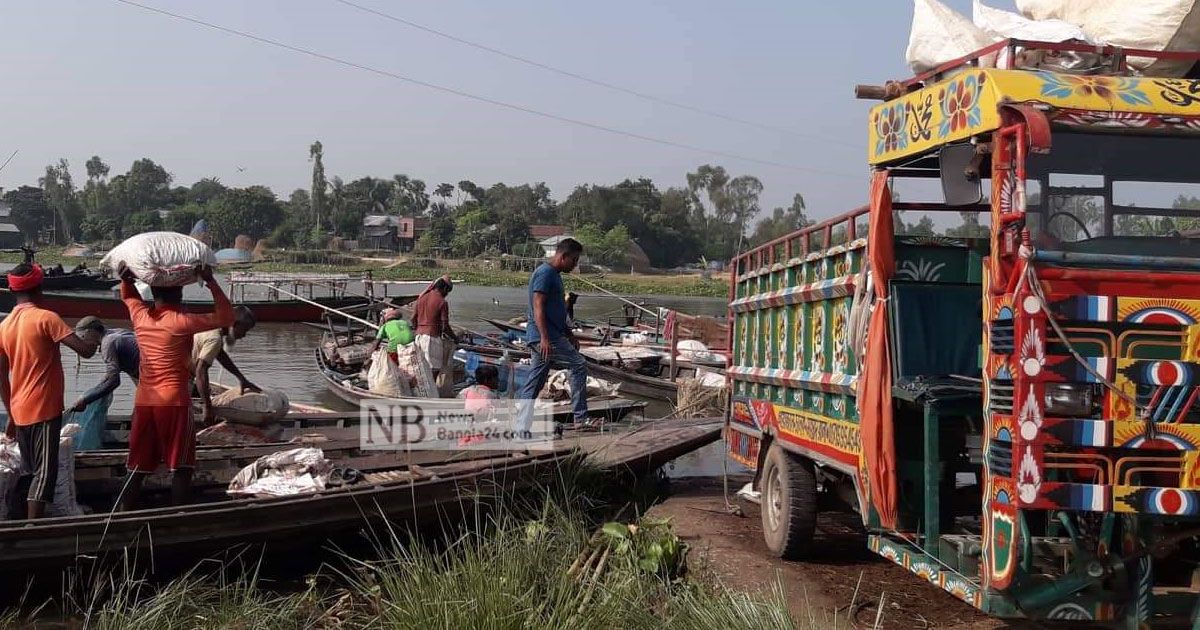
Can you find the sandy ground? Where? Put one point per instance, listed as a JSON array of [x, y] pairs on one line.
[[731, 549]]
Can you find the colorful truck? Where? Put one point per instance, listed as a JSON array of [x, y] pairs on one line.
[[1013, 413]]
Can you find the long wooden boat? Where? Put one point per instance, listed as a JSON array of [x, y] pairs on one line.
[[632, 383], [75, 280], [73, 306], [585, 336], [348, 388], [404, 493]]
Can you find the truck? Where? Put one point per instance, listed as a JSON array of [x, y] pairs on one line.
[[1014, 410]]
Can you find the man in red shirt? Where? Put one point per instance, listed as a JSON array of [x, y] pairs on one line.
[[31, 384], [435, 338], [162, 429]]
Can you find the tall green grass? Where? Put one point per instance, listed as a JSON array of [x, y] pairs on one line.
[[515, 567]]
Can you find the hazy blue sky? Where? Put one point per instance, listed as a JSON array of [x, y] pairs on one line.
[[84, 77]]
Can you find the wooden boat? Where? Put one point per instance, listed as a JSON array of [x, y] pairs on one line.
[[633, 382], [74, 306], [585, 336], [413, 494], [74, 280], [349, 388]]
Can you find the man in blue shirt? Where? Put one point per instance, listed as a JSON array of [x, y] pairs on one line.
[[549, 336], [119, 349]]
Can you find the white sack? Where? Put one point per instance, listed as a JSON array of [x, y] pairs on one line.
[[558, 386], [252, 407], [415, 371], [383, 377], [161, 259], [1145, 24], [1002, 24], [10, 471], [65, 503], [940, 34], [290, 472]]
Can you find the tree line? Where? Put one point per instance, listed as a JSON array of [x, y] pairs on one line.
[[712, 217]]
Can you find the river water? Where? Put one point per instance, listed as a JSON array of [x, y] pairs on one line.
[[281, 356]]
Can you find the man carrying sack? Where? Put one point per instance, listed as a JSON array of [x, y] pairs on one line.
[[435, 338], [31, 384]]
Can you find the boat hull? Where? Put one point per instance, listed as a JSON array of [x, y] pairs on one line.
[[70, 306]]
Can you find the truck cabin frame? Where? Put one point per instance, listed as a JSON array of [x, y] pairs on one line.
[[1015, 416]]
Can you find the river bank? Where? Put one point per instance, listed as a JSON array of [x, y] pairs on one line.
[[473, 272]]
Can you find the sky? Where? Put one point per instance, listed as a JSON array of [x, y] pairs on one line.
[[99, 77]]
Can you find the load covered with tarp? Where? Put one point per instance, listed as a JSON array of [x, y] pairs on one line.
[[940, 34], [161, 259]]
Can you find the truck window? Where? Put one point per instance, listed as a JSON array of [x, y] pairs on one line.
[[1115, 194]]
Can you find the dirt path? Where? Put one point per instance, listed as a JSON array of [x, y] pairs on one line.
[[731, 548]]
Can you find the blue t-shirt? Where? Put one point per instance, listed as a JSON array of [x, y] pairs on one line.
[[547, 280]]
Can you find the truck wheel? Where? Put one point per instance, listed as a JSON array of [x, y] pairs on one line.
[[789, 504]]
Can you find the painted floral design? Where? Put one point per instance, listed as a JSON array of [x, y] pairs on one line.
[[798, 318], [818, 340], [1062, 86], [781, 340], [889, 129], [841, 353], [960, 105], [921, 270]]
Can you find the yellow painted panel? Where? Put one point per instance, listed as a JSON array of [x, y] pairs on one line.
[[1191, 471], [968, 104]]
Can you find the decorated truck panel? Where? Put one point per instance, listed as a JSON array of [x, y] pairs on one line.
[[1015, 414]]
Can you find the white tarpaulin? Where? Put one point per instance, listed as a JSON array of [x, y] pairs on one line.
[[940, 34], [1144, 24]]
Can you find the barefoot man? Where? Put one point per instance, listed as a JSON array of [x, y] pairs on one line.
[[163, 431]]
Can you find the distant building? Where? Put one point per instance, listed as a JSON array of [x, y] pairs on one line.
[[549, 244], [381, 231], [10, 236], [540, 231]]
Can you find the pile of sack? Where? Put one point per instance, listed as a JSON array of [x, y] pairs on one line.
[[161, 259], [558, 386], [410, 375], [65, 503], [286, 473], [253, 408], [940, 34]]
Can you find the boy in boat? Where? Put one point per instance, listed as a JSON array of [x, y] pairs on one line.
[[435, 338], [550, 339], [162, 406], [481, 395], [214, 346], [119, 350], [31, 384]]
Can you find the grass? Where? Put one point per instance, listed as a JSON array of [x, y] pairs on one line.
[[535, 564], [469, 271]]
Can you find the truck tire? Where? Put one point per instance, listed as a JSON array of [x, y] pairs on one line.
[[789, 504]]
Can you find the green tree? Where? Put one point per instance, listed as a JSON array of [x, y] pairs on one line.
[[731, 203], [970, 227], [783, 221], [62, 201], [316, 153], [95, 191], [184, 218], [147, 186], [444, 190], [206, 190], [144, 221], [29, 211], [252, 211], [409, 198], [470, 233]]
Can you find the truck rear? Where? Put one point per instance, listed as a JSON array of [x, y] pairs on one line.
[[1014, 415]]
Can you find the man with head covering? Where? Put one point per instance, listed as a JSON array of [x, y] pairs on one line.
[[435, 338], [163, 430], [119, 350], [394, 329], [214, 346], [31, 384]]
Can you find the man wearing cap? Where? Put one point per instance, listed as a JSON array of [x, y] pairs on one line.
[[435, 338], [31, 384], [214, 346], [119, 350]]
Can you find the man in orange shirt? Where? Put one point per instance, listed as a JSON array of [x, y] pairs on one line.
[[31, 384], [162, 406]]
